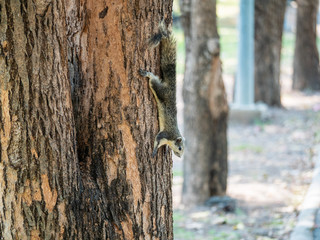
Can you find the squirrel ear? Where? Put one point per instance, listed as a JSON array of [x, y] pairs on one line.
[[179, 140]]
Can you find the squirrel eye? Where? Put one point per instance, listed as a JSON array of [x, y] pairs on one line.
[[179, 148]]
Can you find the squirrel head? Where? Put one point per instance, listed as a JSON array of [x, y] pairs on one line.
[[177, 146]]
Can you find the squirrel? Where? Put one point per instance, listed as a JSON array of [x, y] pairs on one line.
[[164, 91]]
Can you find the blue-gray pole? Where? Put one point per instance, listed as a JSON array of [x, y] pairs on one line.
[[244, 92]]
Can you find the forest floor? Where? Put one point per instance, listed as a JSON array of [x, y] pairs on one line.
[[270, 169]]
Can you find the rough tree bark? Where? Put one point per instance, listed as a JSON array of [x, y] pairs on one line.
[[269, 17], [38, 170], [205, 105], [116, 119], [306, 73], [76, 158]]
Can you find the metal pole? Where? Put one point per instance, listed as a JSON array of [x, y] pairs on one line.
[[244, 94]]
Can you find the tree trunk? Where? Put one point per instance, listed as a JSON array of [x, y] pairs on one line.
[[269, 17], [126, 192], [206, 108], [306, 73], [38, 165], [76, 158]]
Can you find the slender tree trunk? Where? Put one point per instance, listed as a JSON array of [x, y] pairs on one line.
[[76, 159], [206, 108], [306, 73], [269, 17]]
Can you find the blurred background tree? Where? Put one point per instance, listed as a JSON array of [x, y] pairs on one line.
[[205, 105], [306, 73], [269, 18]]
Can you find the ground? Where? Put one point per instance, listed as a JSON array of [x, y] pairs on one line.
[[270, 169]]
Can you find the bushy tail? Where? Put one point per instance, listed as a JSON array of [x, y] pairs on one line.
[[168, 51], [168, 58]]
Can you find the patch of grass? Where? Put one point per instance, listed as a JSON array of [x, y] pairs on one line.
[[248, 147], [265, 238], [179, 231], [177, 173], [261, 123], [215, 235], [239, 212], [233, 221], [183, 234], [287, 51], [317, 137], [178, 33], [177, 217], [227, 15], [276, 223], [229, 47]]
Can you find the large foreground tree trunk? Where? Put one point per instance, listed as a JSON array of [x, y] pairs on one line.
[[116, 121], [205, 105], [269, 17], [38, 163], [306, 72], [76, 159]]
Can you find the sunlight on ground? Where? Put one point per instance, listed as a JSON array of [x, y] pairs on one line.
[[300, 100]]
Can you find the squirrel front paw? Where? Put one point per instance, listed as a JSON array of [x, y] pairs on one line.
[[143, 73]]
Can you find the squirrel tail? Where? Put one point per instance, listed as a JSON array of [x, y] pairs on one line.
[[168, 50]]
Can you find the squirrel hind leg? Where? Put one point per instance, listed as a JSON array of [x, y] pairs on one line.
[[155, 83]]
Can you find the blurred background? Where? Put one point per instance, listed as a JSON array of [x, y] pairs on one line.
[[248, 82]]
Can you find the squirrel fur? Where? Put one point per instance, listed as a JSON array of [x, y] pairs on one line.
[[164, 91]]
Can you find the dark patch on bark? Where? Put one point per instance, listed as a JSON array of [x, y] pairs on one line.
[[104, 12], [123, 45], [0, 12], [10, 29], [29, 37]]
